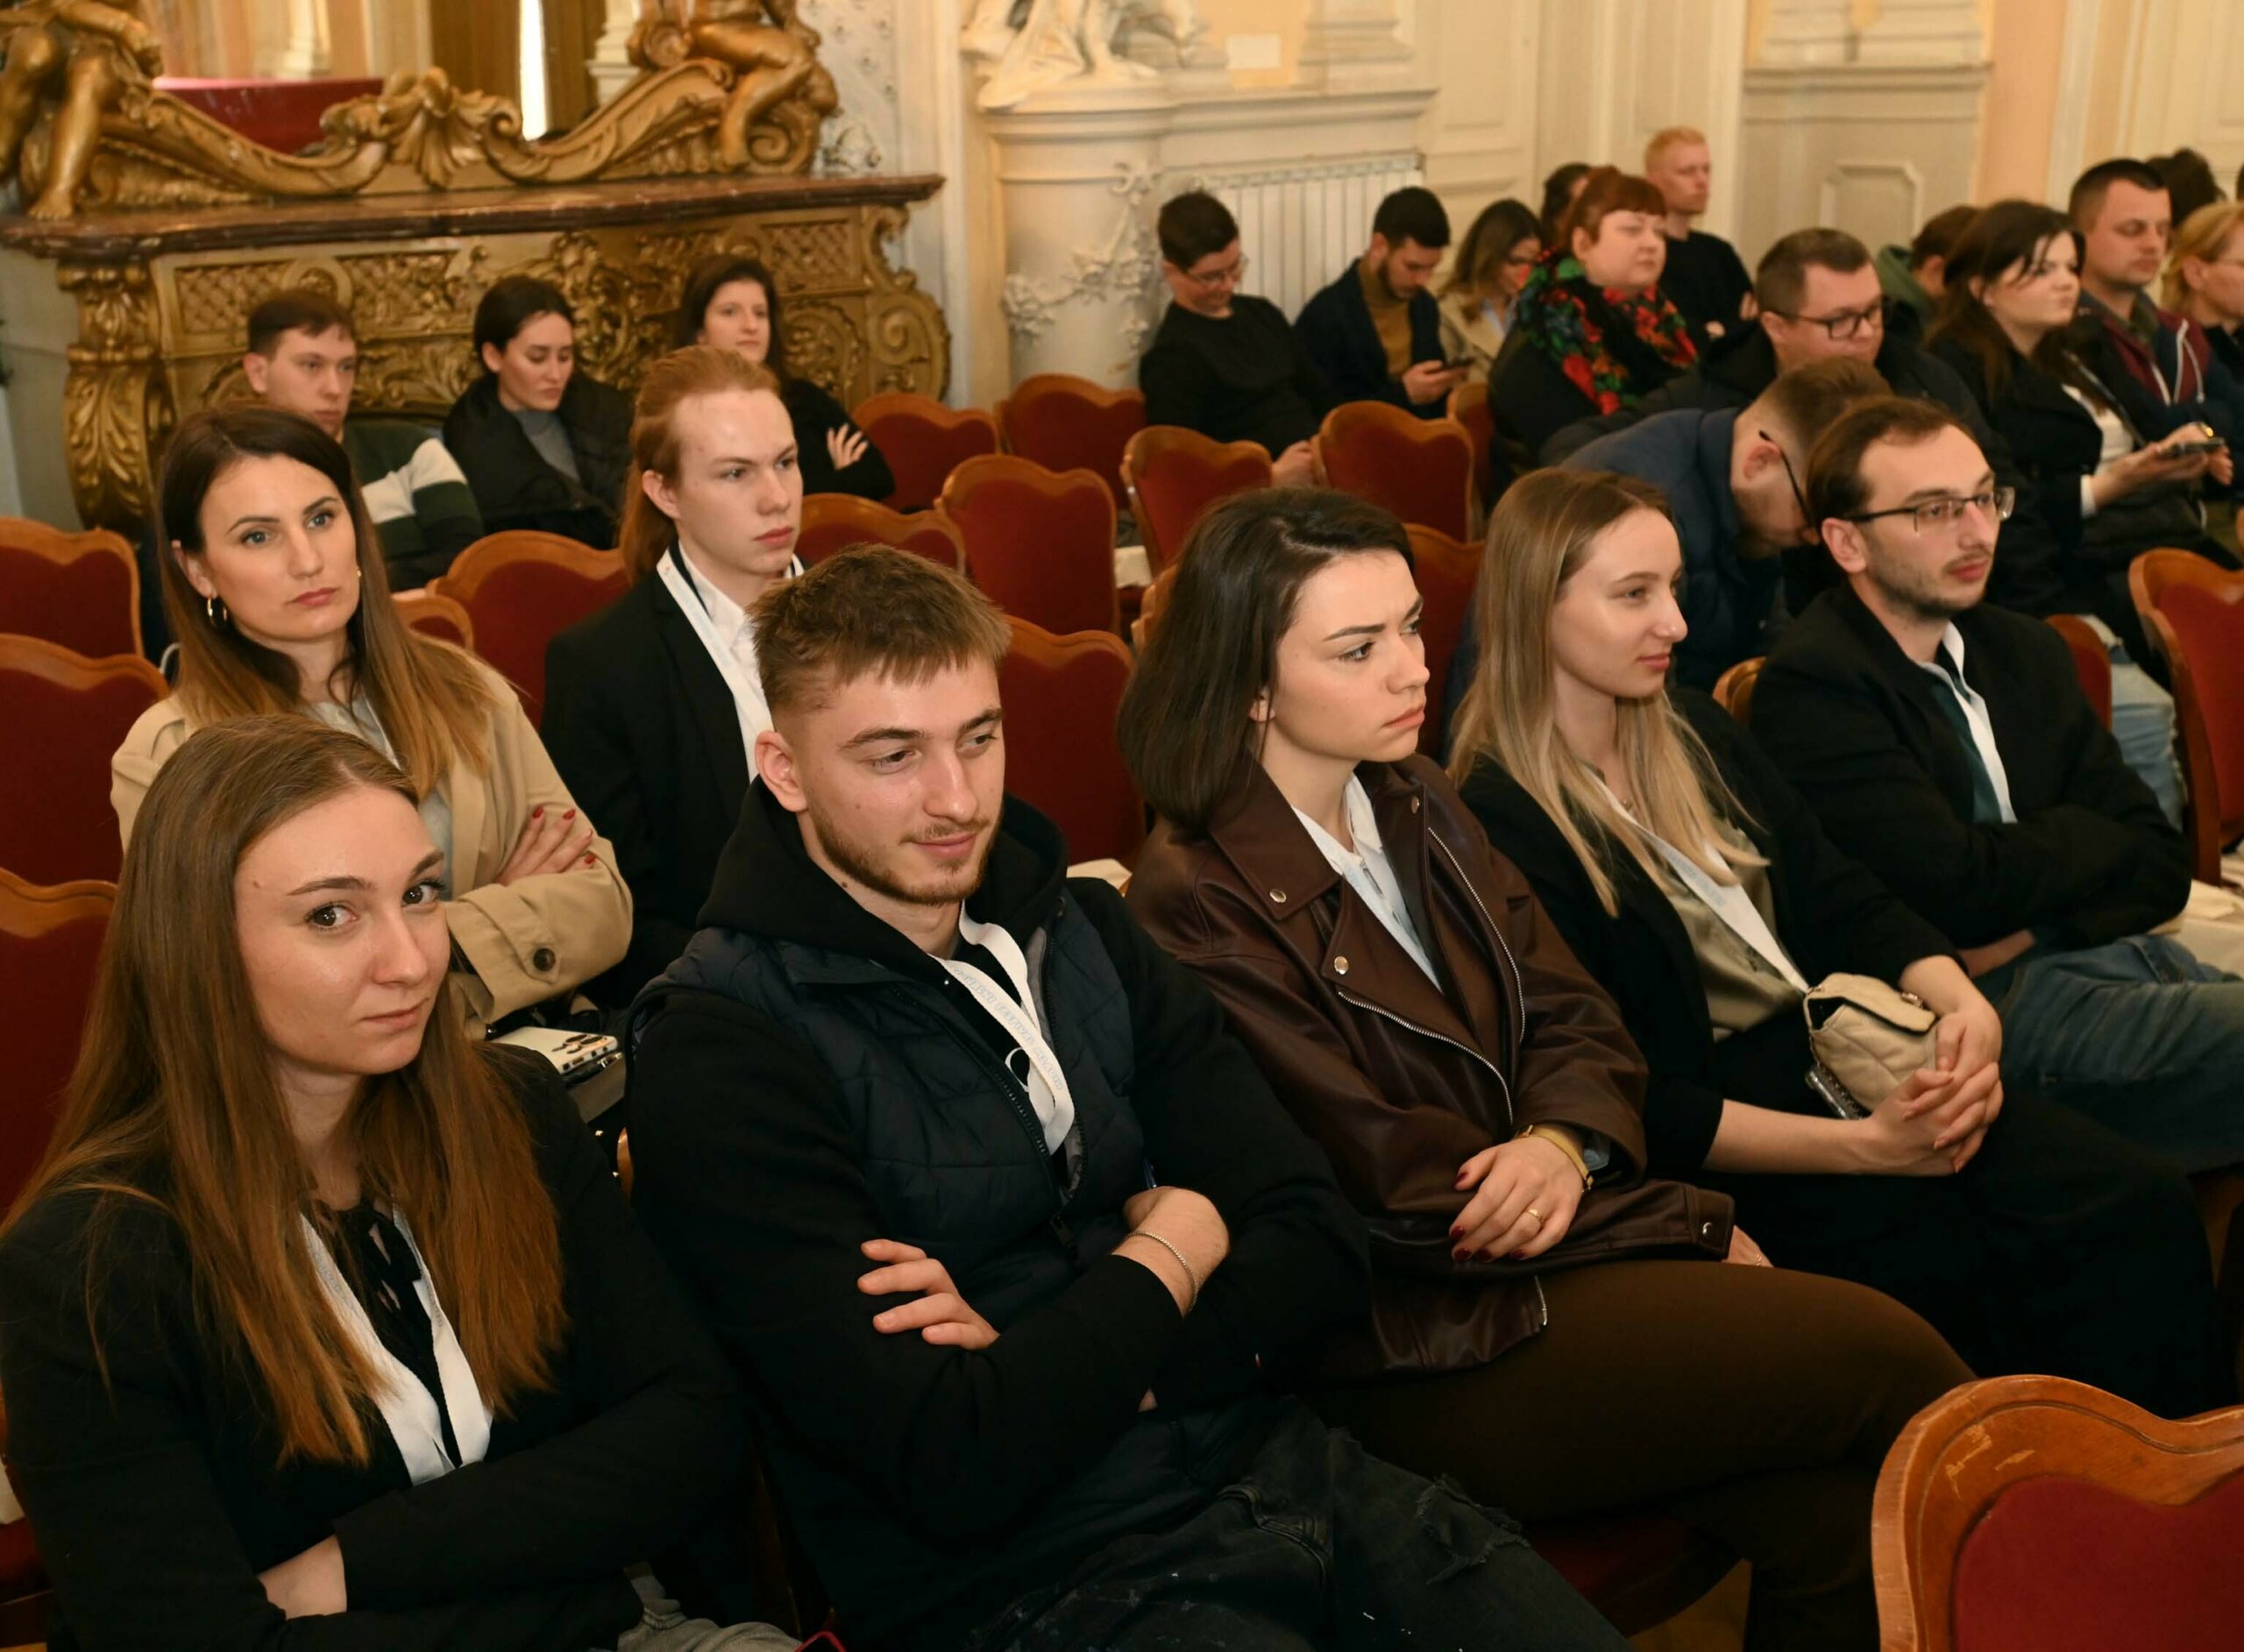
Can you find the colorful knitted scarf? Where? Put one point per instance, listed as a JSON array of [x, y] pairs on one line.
[[1613, 346]]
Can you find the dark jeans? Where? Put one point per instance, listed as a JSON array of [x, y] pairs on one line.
[[1318, 1545]]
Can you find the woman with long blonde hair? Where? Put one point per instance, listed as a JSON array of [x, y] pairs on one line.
[[275, 585], [653, 704], [319, 1307], [1700, 891], [2204, 278]]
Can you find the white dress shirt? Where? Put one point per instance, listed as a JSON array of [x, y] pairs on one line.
[[1975, 713]]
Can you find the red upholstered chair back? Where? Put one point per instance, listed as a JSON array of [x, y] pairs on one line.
[[1420, 469], [1733, 688], [2035, 1514], [1041, 544], [2201, 631], [1446, 573], [1174, 475], [80, 590], [834, 521], [1061, 695], [2092, 661], [923, 442], [522, 586], [1468, 410], [61, 717], [435, 616], [50, 942], [1067, 424]]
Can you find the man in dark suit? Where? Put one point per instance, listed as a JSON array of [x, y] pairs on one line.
[[1375, 332], [1947, 743]]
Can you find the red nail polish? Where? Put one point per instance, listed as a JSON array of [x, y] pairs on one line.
[[1457, 1232], [1460, 1255], [536, 812], [569, 816], [590, 861]]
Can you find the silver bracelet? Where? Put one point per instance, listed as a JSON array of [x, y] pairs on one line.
[[1190, 1278]]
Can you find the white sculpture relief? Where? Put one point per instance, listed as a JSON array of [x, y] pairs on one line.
[[1033, 45], [1119, 268]]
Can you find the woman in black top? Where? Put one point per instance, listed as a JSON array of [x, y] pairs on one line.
[[317, 1309], [543, 446], [1698, 889], [733, 301]]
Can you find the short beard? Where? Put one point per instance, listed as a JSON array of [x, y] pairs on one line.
[[860, 868], [1917, 604]]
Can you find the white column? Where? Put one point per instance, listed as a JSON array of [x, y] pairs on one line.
[[1352, 45], [610, 67]]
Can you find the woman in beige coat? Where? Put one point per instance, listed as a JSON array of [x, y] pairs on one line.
[[277, 610]]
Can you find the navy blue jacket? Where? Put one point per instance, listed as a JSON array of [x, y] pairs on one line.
[[1336, 329]]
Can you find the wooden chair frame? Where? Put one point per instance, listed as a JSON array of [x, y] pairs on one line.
[[1962, 1451], [51, 544], [911, 403], [65, 668], [881, 525], [513, 546], [1156, 439], [2150, 576], [2081, 638], [1733, 688], [29, 910], [416, 605], [964, 475]]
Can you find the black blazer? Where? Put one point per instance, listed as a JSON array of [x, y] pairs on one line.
[[1854, 723], [1342, 342], [644, 731], [157, 1498], [513, 486], [1831, 914], [815, 413]]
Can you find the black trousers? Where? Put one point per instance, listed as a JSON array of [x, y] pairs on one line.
[[2061, 1249], [1319, 1548]]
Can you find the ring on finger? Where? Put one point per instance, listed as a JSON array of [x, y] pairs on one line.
[[1537, 1214]]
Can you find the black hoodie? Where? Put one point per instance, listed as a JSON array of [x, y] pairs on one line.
[[932, 1486]]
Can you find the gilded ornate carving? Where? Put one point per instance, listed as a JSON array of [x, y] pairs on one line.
[[117, 407], [725, 86], [905, 329]]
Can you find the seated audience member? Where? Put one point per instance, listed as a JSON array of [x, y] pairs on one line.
[[544, 445], [1375, 332], [1593, 332], [1560, 191], [653, 705], [2204, 279], [1223, 362], [733, 301], [2063, 1249], [1704, 275], [1005, 1232], [303, 357], [1730, 480], [327, 1326], [1913, 277], [2191, 186], [276, 594], [1947, 744], [1477, 299], [2159, 366], [1407, 1001]]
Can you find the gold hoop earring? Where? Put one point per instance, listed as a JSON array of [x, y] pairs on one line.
[[214, 612]]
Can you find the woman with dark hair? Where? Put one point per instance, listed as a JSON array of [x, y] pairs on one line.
[[1548, 1326], [733, 301], [1477, 299], [2109, 488], [327, 1326], [1698, 889], [275, 588], [1592, 332], [653, 704], [544, 446], [1560, 191]]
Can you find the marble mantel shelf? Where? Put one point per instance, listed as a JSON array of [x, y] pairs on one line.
[[151, 232]]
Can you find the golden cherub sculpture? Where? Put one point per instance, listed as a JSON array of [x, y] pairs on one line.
[[82, 54]]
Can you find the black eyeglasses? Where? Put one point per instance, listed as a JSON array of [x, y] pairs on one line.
[[1807, 530], [1941, 514], [1849, 324]]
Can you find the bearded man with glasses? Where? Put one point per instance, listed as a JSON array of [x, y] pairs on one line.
[[1948, 745]]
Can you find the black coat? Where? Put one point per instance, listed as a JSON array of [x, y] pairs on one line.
[[156, 1496], [1740, 369], [1831, 914], [644, 730], [815, 413], [1532, 400], [514, 487], [1854, 724], [1342, 344]]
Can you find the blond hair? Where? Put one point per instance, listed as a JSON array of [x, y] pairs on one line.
[[1545, 528], [2202, 236], [1669, 138], [658, 441]]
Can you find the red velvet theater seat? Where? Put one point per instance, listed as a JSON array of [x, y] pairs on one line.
[[520, 588], [80, 590], [1061, 695], [62, 716]]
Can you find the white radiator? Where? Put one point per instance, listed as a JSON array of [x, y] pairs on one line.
[[1300, 226]]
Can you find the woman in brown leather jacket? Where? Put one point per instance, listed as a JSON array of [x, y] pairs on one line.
[[1548, 1326]]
